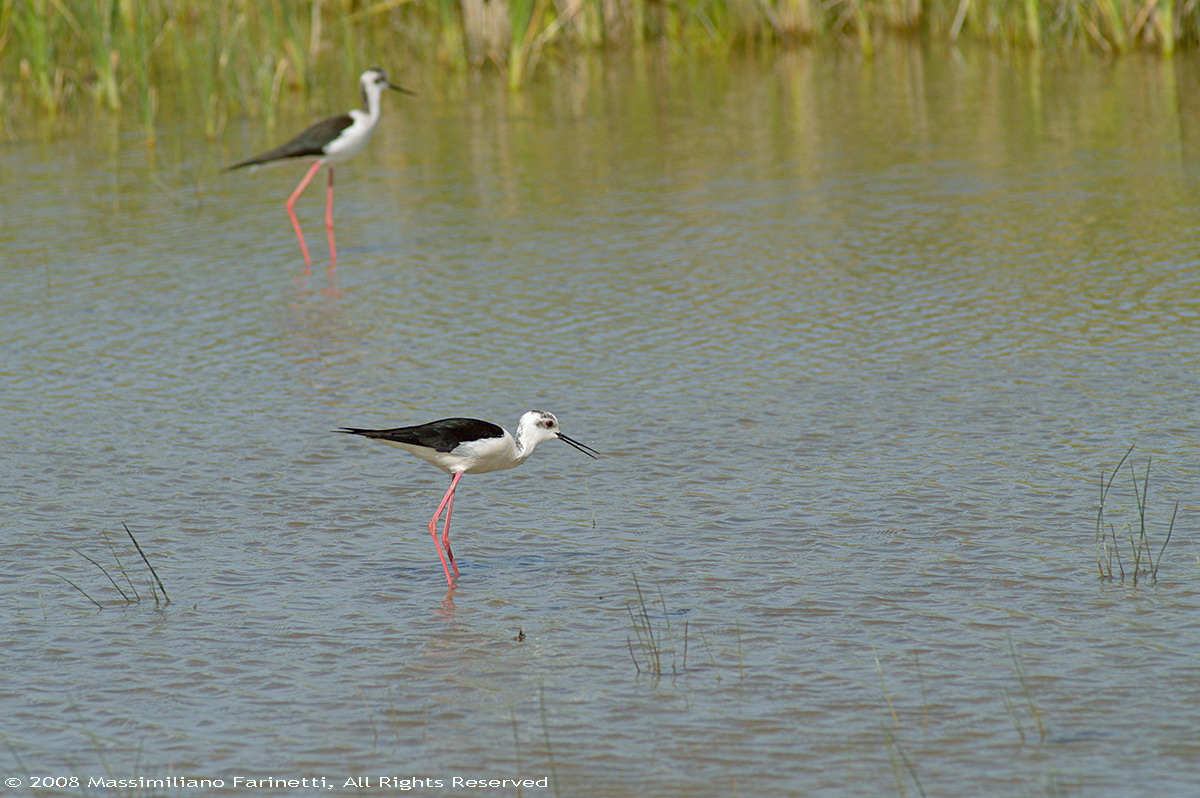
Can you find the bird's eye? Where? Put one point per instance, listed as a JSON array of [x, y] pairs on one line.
[[549, 424]]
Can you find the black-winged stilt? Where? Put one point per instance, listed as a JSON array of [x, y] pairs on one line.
[[330, 141], [469, 446]]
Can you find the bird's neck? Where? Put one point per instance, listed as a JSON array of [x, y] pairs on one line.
[[522, 448], [371, 102]]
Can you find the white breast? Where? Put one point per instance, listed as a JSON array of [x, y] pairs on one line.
[[353, 139], [488, 454]]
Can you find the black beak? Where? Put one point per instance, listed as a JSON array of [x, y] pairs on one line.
[[401, 89], [583, 447]]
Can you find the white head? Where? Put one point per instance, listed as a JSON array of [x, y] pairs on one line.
[[373, 82], [538, 425]]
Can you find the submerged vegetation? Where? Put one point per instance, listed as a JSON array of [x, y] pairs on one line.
[[240, 56], [1027, 694]]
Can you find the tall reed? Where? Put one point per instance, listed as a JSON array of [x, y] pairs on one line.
[[242, 56]]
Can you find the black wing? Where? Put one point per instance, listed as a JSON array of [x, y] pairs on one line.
[[441, 436], [306, 144]]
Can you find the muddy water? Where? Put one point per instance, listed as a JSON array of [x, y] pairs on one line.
[[856, 339]]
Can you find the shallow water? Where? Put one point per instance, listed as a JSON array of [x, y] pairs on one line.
[[857, 341]]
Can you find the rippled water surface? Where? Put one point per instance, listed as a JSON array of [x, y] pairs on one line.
[[857, 341]]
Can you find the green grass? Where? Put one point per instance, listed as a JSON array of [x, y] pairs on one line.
[[240, 57]]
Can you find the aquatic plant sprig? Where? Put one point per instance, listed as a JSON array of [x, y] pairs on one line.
[[1026, 692], [145, 559], [898, 759], [130, 596], [657, 652], [1144, 563]]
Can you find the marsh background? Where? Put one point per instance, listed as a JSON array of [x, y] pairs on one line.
[[862, 327]]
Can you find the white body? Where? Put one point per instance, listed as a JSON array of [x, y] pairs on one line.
[[473, 457], [353, 139], [491, 454]]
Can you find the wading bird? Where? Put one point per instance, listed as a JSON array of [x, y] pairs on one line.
[[330, 141], [469, 446]]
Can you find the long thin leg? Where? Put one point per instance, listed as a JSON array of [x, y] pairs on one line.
[[291, 209], [329, 222], [449, 497], [446, 536]]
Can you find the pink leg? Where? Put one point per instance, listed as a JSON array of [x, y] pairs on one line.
[[291, 209], [447, 499], [329, 222], [446, 536]]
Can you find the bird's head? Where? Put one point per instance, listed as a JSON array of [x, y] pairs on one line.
[[538, 425], [374, 81]]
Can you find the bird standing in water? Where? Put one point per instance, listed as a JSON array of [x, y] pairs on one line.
[[330, 141], [469, 446]]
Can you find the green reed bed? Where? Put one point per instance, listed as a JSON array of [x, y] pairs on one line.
[[242, 56]]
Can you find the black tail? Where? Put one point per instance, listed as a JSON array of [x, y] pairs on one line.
[[366, 433], [251, 162]]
